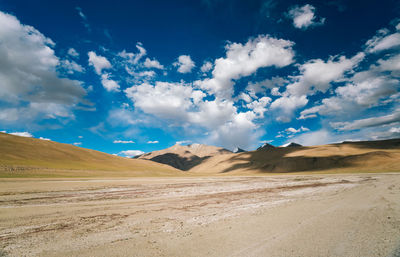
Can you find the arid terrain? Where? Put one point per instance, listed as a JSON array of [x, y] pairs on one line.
[[22, 157], [330, 200], [303, 215]]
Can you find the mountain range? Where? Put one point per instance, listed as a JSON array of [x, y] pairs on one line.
[[21, 156]]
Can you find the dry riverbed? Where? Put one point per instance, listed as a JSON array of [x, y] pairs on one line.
[[303, 215]]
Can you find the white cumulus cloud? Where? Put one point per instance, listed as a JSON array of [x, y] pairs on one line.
[[383, 40], [98, 62], [21, 134], [109, 84], [148, 63], [243, 60], [72, 52], [28, 73], [304, 17], [184, 64], [316, 75], [131, 153], [164, 100], [206, 67]]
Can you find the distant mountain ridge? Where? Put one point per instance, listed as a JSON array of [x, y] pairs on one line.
[[362, 156], [184, 157], [239, 150], [292, 144], [31, 157], [265, 146]]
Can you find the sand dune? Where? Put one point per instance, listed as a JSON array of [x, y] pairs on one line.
[[21, 156]]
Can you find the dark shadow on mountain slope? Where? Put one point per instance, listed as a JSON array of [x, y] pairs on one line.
[[381, 144], [179, 162], [276, 161]]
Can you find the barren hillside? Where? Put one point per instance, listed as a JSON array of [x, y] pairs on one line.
[[21, 156], [185, 157], [367, 156]]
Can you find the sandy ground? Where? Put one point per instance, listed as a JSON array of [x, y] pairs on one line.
[[313, 215]]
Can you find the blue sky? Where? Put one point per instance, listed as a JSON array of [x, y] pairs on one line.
[[131, 77]]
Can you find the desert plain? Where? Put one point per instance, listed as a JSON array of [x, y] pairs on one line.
[[198, 200], [279, 215]]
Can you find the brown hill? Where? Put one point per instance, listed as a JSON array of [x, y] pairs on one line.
[[185, 157], [26, 157], [367, 156]]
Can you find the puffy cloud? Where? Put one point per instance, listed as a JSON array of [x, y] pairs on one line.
[[294, 131], [304, 17], [98, 62], [152, 64], [109, 84], [318, 137], [240, 131], [367, 88], [243, 60], [377, 85], [290, 132], [72, 52], [184, 64], [212, 114], [152, 142], [25, 134], [364, 90], [21, 134], [131, 153], [226, 125], [275, 91], [33, 111], [123, 142], [28, 72], [383, 40], [369, 122], [132, 57], [316, 75], [77, 143], [71, 66], [259, 106], [286, 105], [165, 100], [206, 67], [141, 74], [309, 113], [181, 104], [390, 64], [245, 97]]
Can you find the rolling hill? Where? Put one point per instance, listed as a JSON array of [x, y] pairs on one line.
[[27, 157], [30, 157], [366, 156]]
